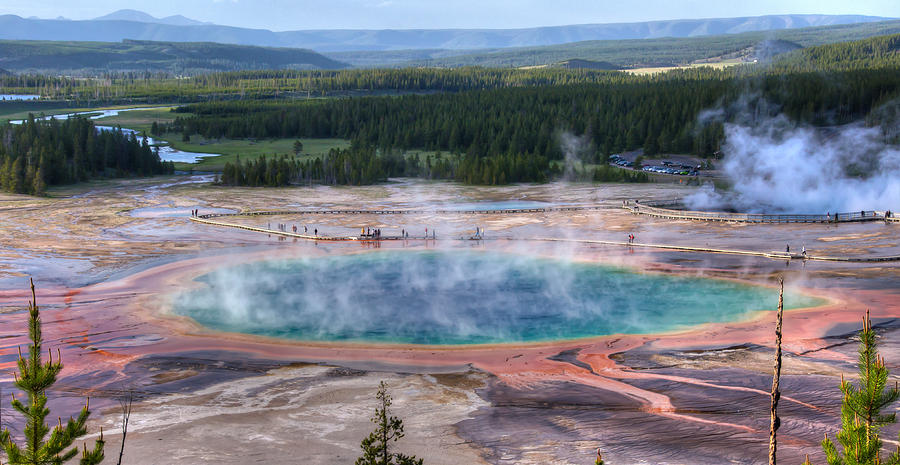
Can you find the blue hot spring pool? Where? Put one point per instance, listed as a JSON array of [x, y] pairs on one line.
[[460, 297]]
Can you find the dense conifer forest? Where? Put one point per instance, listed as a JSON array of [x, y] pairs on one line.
[[365, 165], [491, 132], [38, 154], [292, 84], [873, 53]]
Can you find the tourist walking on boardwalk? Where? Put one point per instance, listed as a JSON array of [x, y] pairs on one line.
[[787, 248]]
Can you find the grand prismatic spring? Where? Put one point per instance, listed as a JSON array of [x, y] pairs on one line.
[[461, 297]]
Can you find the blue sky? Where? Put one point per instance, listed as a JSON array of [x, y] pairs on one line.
[[406, 14]]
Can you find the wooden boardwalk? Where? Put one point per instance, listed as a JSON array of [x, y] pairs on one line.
[[774, 254], [658, 210], [506, 211], [213, 219]]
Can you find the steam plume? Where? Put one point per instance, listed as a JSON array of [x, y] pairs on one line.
[[777, 166]]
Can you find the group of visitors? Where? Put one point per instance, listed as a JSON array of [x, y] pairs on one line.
[[195, 212], [294, 228], [631, 238], [370, 233], [377, 233], [862, 214]]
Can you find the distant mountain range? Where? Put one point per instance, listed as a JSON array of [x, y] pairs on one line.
[[141, 17], [630, 53], [183, 58], [132, 24]]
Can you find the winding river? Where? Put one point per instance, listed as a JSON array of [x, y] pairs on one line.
[[166, 152]]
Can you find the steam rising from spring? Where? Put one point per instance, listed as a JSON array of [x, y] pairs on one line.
[[458, 297], [575, 150], [776, 166]]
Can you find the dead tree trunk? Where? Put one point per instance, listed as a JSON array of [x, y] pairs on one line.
[[776, 394]]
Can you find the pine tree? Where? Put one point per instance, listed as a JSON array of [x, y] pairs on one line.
[[34, 378], [376, 447], [861, 417], [38, 183]]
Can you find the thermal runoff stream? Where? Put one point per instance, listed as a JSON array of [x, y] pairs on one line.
[[460, 297]]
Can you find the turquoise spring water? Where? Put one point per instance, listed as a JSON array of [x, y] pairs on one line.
[[461, 297]]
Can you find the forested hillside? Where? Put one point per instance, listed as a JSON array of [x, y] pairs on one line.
[[669, 51], [37, 154], [872, 53], [656, 115], [285, 84], [290, 84], [179, 58]]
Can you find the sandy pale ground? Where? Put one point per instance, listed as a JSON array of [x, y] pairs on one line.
[[311, 414], [108, 257]]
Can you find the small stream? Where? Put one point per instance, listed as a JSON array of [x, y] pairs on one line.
[[10, 97], [166, 152]]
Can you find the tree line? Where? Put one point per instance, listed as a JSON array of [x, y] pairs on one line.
[[37, 154], [292, 84], [877, 52], [364, 165], [871, 53], [494, 133]]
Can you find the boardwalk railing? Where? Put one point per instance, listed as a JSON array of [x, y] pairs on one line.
[[208, 219], [658, 209], [408, 212]]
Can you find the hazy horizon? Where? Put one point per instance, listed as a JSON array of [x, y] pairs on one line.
[[281, 15]]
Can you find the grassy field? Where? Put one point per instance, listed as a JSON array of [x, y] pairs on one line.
[[222, 150], [21, 110], [140, 120], [228, 150], [662, 69]]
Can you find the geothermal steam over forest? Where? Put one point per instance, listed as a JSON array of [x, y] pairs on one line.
[[778, 166], [392, 234]]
